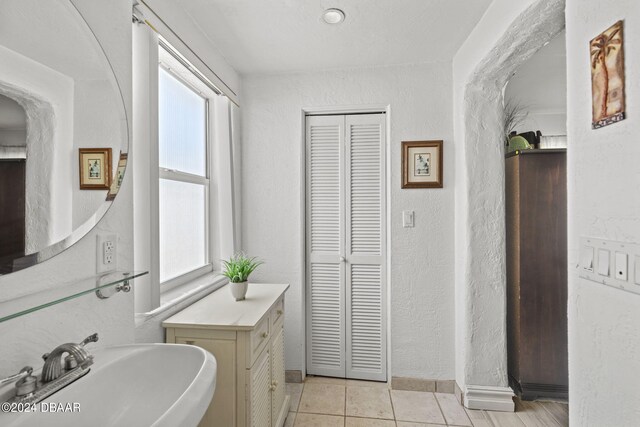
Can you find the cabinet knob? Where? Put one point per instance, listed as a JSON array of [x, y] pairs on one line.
[[190, 342], [275, 383], [272, 388], [279, 312], [264, 335]]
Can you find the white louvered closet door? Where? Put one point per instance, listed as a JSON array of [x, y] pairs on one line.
[[325, 246], [345, 246], [365, 243]]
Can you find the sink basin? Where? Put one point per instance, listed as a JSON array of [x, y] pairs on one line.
[[132, 385]]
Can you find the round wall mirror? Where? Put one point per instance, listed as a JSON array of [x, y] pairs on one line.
[[63, 131]]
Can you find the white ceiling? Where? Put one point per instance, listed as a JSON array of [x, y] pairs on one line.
[[271, 36]]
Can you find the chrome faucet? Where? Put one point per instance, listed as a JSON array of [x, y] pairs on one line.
[[78, 356], [54, 376]]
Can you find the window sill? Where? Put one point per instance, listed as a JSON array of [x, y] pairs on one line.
[[184, 295]]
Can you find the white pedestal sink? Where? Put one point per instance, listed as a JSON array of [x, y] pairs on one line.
[[131, 385]]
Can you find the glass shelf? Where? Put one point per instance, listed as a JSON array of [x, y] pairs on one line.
[[33, 302]]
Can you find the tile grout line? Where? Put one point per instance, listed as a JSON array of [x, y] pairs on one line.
[[441, 411], [393, 409], [344, 420]]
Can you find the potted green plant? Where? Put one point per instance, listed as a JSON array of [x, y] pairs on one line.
[[514, 115], [237, 269]]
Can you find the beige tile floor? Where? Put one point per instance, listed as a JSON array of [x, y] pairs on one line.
[[329, 402]]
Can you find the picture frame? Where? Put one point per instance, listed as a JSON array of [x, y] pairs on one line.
[[118, 177], [95, 168], [422, 164], [607, 76]]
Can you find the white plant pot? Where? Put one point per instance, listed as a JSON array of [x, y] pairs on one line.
[[239, 290]]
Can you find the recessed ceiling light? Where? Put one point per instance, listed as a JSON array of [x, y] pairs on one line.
[[333, 16]]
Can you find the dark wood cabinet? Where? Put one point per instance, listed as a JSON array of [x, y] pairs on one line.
[[12, 212], [536, 231]]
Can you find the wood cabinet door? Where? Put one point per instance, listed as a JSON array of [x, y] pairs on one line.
[[260, 390], [222, 411], [12, 212], [277, 376]]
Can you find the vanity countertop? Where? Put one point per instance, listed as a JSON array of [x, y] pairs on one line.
[[219, 310]]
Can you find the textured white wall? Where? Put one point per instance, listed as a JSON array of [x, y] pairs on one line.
[[421, 287], [604, 338], [96, 124], [26, 338], [508, 34]]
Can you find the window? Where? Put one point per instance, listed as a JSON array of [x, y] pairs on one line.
[[183, 138], [183, 186]]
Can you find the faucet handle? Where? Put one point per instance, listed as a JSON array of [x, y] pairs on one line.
[[24, 372], [90, 338]]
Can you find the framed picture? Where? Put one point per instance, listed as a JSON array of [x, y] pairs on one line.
[[421, 164], [607, 77], [117, 181], [95, 168]]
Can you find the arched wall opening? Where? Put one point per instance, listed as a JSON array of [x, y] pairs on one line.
[[47, 97], [481, 364], [40, 151]]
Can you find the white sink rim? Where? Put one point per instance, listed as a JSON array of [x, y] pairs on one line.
[[195, 399], [185, 405]]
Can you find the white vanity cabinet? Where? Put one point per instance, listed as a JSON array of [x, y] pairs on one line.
[[247, 340]]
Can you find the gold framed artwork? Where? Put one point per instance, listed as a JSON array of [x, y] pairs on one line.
[[95, 168], [422, 164], [117, 181], [607, 76]]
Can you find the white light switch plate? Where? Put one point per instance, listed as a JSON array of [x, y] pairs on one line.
[[621, 258], [408, 219], [106, 253]]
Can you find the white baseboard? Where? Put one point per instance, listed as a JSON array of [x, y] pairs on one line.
[[489, 398]]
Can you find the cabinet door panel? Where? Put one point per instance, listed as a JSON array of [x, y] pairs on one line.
[[277, 375], [221, 412], [261, 391]]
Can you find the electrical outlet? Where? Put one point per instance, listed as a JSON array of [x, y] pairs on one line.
[[107, 256], [107, 252]]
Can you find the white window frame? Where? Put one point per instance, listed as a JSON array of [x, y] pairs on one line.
[[187, 77], [152, 297]]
